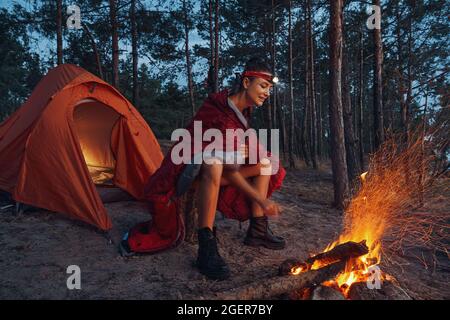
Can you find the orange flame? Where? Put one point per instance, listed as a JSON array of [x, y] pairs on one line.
[[297, 270], [362, 221], [396, 180]]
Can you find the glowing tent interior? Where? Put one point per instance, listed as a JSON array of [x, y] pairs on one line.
[[73, 132]]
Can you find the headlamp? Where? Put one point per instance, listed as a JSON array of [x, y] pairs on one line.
[[272, 79]]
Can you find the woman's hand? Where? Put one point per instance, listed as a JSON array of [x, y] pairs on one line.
[[270, 208]]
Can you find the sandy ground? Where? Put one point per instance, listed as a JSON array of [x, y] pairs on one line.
[[38, 246]]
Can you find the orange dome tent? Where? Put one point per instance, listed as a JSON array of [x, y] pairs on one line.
[[73, 131]]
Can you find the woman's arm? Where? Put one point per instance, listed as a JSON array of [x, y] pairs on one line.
[[245, 171], [236, 179]]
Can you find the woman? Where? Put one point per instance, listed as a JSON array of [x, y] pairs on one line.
[[239, 192]]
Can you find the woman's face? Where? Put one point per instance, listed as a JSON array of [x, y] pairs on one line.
[[257, 90]]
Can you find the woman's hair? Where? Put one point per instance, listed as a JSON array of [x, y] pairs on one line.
[[254, 64]]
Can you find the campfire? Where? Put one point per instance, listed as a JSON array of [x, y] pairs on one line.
[[357, 260], [359, 248], [378, 222], [394, 184]]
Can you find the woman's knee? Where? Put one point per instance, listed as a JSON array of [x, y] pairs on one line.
[[262, 168], [212, 171]]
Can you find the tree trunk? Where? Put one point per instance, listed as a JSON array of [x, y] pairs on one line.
[[306, 132], [59, 40], [216, 48], [399, 73], [211, 33], [404, 112], [319, 122], [115, 43], [274, 66], [312, 94], [269, 113], [361, 100], [298, 143], [304, 141], [409, 71], [291, 92], [134, 50], [267, 48], [338, 157], [353, 165], [421, 188], [408, 93], [378, 86], [188, 58], [282, 122], [95, 49]]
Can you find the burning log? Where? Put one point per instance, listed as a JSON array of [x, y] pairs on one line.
[[288, 265], [341, 252], [277, 286]]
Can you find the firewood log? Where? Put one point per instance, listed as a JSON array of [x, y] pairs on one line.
[[342, 251], [276, 286]]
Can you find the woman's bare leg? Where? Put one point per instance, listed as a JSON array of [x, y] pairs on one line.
[[240, 179], [261, 184], [246, 172], [211, 179], [258, 181], [259, 233], [209, 261], [208, 194]]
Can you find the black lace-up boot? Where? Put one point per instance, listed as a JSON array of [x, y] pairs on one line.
[[209, 261], [259, 234]]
